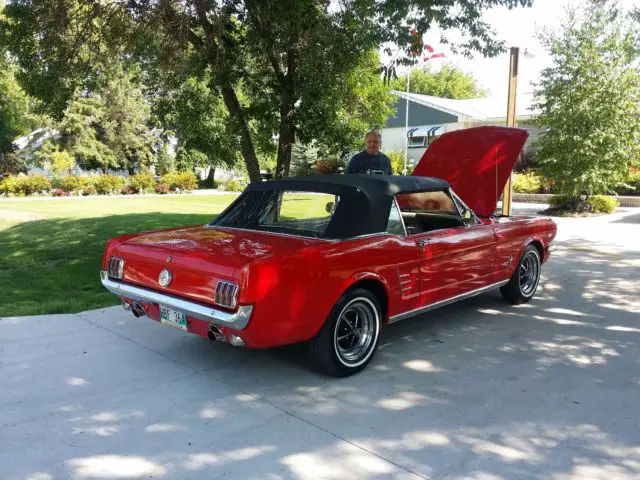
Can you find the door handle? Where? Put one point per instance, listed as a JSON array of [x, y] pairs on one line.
[[422, 242]]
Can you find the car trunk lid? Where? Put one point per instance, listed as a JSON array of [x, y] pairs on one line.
[[199, 256]]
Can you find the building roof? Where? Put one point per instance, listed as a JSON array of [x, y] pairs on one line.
[[36, 139], [478, 109]]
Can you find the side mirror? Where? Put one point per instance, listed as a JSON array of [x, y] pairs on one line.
[[329, 207]]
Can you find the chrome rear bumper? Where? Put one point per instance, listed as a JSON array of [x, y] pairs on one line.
[[237, 320]]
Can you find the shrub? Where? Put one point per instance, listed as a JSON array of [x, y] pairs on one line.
[[36, 183], [62, 162], [70, 183], [327, 166], [58, 192], [106, 184], [233, 185], [562, 202], [597, 204], [24, 185], [630, 185], [10, 185], [142, 182], [89, 191], [602, 204], [528, 182], [180, 181], [162, 188], [129, 190]]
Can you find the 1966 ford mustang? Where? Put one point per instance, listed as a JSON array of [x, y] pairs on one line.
[[329, 260]]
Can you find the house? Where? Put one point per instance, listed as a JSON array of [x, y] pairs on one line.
[[431, 116]]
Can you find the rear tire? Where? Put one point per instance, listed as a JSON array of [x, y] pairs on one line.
[[348, 340], [525, 279]]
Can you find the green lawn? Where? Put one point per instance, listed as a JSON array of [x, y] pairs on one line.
[[51, 249]]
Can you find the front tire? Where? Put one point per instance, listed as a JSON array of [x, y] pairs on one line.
[[525, 279], [348, 340]]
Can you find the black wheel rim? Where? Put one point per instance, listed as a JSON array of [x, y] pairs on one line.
[[528, 274], [356, 332]]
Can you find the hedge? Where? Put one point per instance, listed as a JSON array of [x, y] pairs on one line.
[[25, 185]]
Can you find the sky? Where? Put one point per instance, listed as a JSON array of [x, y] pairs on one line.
[[518, 28]]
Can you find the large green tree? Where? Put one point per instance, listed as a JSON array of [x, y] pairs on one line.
[[109, 126], [448, 82], [15, 109], [589, 100], [281, 54]]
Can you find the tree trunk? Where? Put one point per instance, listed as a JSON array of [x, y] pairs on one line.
[[288, 99], [211, 49], [287, 133], [237, 115]]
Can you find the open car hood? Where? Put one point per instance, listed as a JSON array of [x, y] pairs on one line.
[[476, 162]]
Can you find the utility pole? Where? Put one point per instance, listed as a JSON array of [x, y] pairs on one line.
[[507, 195], [406, 126]]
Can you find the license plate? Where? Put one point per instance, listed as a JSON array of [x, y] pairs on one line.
[[173, 318]]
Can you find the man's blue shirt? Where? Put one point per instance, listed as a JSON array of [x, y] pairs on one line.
[[364, 162]]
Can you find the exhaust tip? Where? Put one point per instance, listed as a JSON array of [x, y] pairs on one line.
[[236, 340], [138, 310], [214, 334]]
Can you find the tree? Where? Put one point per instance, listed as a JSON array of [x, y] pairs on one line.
[[589, 100], [280, 53], [448, 82], [109, 127], [199, 120], [16, 117]]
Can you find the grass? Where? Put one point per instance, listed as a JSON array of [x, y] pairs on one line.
[[51, 249]]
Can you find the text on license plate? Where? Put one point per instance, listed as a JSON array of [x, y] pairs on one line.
[[173, 318]]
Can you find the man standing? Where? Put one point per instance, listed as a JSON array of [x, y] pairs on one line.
[[371, 160]]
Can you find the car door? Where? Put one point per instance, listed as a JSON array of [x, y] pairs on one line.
[[456, 255], [457, 261]]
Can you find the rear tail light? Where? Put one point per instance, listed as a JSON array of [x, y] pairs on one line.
[[226, 294], [115, 267]]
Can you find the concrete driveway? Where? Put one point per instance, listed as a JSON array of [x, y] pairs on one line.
[[478, 390]]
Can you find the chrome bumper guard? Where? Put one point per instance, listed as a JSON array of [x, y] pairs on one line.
[[237, 320]]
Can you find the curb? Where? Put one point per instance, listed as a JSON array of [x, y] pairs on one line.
[[625, 201]]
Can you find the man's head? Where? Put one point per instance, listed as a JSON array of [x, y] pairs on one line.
[[373, 140]]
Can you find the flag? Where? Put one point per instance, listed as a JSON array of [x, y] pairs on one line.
[[431, 50]]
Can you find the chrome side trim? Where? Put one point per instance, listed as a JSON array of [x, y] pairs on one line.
[[447, 301], [299, 237], [237, 320]]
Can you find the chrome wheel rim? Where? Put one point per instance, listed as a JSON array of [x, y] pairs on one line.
[[528, 274], [356, 332]]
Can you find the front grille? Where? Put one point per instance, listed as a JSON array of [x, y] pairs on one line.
[[115, 267], [226, 294]]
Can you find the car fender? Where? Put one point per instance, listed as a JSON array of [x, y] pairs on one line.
[[365, 275]]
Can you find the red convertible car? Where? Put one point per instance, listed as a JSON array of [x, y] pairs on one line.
[[328, 260]]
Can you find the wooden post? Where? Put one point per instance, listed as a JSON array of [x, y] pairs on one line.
[[511, 121]]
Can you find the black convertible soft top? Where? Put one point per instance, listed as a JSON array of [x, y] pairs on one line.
[[364, 203]]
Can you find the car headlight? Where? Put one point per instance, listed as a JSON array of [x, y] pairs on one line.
[[227, 294], [115, 267]]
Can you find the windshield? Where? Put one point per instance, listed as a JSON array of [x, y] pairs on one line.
[[292, 212]]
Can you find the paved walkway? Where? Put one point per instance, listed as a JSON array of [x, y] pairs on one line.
[[478, 390]]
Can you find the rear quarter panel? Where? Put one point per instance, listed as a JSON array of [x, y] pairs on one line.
[[294, 294]]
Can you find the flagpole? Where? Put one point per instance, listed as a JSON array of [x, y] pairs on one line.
[[406, 126]]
